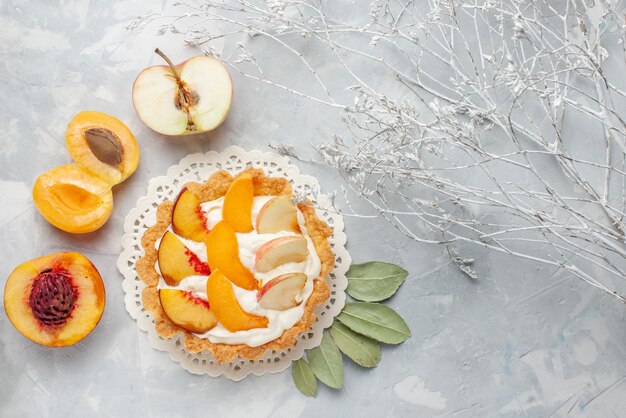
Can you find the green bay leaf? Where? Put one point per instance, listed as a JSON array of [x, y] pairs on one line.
[[304, 378], [326, 362], [376, 321], [362, 350], [374, 281]]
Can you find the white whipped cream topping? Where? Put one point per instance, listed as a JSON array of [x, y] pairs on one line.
[[194, 284], [249, 243]]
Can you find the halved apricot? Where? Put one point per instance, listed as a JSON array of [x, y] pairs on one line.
[[55, 300], [223, 254], [102, 145], [226, 308], [73, 200], [237, 210]]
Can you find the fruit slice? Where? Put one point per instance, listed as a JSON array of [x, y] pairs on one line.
[[237, 210], [188, 219], [223, 254], [227, 309], [72, 199], [187, 311], [102, 145], [193, 96], [176, 261], [277, 214], [55, 300], [279, 251], [280, 293]]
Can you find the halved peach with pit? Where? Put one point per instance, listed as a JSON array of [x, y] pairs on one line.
[[237, 209], [176, 261], [55, 300], [227, 310], [187, 311], [188, 219], [223, 254], [72, 199], [102, 145]]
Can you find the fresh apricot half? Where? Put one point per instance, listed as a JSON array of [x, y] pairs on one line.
[[223, 254], [55, 300], [226, 308], [237, 210], [103, 145], [72, 199]]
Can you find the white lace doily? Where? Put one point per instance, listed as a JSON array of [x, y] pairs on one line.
[[198, 168]]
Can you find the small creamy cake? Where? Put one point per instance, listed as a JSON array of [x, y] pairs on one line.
[[235, 265]]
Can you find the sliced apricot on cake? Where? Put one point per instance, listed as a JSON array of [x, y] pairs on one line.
[[187, 311], [223, 254], [188, 218], [72, 199], [55, 300], [227, 310], [237, 209], [176, 261]]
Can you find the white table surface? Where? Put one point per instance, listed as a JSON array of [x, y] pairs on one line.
[[519, 341]]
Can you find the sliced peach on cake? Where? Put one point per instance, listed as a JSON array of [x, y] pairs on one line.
[[281, 292], [55, 300], [227, 310], [176, 261], [72, 199], [102, 145], [277, 214], [237, 210], [282, 250], [223, 254], [187, 311], [188, 219]]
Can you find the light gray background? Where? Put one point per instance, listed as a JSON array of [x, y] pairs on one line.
[[519, 341]]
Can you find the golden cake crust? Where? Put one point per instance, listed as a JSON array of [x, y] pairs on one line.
[[214, 188]]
